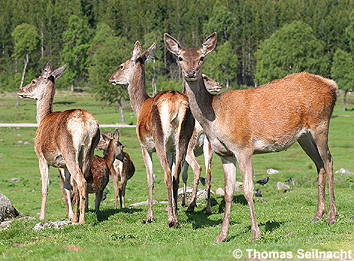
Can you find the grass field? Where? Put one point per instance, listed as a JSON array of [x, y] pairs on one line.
[[284, 218]]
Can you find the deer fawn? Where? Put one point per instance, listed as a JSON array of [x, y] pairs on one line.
[[65, 140], [124, 170], [164, 124], [270, 118]]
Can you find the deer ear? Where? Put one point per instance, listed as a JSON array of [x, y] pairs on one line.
[[172, 44], [209, 43], [105, 137], [136, 51], [147, 55], [116, 134], [47, 71], [59, 71]]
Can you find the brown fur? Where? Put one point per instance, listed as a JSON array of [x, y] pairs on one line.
[[65, 140], [167, 109], [240, 123]]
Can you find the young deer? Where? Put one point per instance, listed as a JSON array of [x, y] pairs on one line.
[[270, 118], [164, 124], [65, 140], [124, 170], [197, 146]]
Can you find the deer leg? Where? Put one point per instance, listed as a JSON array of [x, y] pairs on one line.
[[66, 194], [43, 168], [116, 188], [321, 139], [229, 177], [246, 168], [308, 144], [150, 180], [98, 199], [208, 156], [122, 197], [190, 158], [184, 178]]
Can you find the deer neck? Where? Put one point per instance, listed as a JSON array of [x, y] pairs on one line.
[[137, 89], [45, 103], [109, 155], [200, 102]]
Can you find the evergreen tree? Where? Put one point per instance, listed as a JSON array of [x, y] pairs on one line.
[[75, 52], [342, 72], [292, 48]]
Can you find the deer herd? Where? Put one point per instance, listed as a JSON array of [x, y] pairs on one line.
[[179, 126]]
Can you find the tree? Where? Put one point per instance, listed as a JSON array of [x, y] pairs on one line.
[[292, 48], [26, 40], [350, 33], [342, 72], [106, 55], [76, 44], [222, 64]]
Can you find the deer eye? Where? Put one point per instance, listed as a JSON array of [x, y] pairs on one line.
[[33, 81], [201, 58], [121, 67], [180, 58]]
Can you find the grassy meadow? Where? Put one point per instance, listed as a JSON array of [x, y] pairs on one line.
[[117, 234]]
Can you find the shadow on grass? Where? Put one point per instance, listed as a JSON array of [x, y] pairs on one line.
[[199, 219], [238, 199], [103, 215]]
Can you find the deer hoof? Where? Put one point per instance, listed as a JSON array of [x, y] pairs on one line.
[[315, 220], [256, 234], [220, 238]]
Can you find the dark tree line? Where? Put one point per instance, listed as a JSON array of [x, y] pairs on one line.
[[257, 40]]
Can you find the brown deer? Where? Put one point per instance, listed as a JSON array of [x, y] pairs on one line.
[[124, 170], [65, 140], [270, 118], [164, 124], [197, 146]]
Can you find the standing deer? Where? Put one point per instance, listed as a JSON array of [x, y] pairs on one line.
[[124, 169], [197, 146], [164, 124], [65, 140], [270, 118]]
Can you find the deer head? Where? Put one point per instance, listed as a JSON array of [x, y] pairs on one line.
[[118, 147], [125, 72], [190, 59], [39, 86]]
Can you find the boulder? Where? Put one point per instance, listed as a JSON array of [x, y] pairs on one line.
[[7, 210]]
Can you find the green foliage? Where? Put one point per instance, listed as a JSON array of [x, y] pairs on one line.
[[293, 48], [350, 33], [76, 44], [342, 70], [107, 53], [222, 64], [26, 40]]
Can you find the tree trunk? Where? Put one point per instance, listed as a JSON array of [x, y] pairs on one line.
[[121, 112], [227, 84], [42, 43], [345, 99], [153, 81], [72, 87], [24, 69]]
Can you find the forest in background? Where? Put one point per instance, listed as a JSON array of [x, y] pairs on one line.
[[258, 40]]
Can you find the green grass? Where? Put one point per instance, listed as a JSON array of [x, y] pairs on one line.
[[284, 218]]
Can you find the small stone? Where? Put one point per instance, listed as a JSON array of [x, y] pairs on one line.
[[20, 142], [281, 185], [15, 179], [1, 156], [344, 171], [18, 134], [56, 225], [220, 192], [26, 143], [272, 171]]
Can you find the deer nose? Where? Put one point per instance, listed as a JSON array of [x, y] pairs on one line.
[[191, 73]]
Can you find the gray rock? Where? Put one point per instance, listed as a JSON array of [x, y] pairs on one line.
[[56, 225], [272, 171], [15, 179], [281, 185], [7, 210], [344, 171], [1, 156], [26, 143], [20, 142]]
